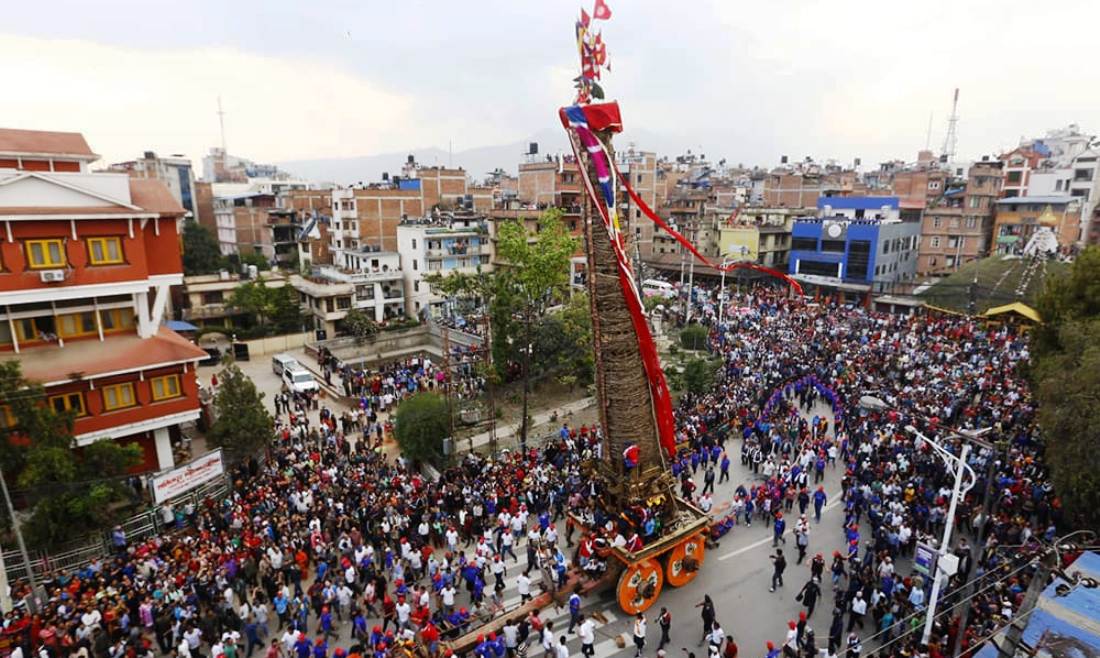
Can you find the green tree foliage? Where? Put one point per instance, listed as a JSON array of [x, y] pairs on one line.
[[242, 427], [272, 309], [699, 376], [359, 324], [694, 337], [255, 258], [563, 343], [201, 254], [73, 491], [420, 425], [538, 275], [1066, 374]]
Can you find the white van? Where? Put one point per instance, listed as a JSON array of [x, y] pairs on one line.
[[658, 288], [298, 379], [281, 362]]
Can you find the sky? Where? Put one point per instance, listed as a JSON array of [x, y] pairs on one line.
[[747, 82]]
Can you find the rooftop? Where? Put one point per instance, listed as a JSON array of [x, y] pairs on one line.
[[857, 202], [1035, 200], [45, 142], [50, 364]]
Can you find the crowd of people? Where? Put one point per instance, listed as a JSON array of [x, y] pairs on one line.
[[327, 533], [782, 358]]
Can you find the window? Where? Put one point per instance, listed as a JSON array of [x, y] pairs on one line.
[[77, 324], [415, 265], [933, 185], [414, 243], [7, 418], [42, 254], [1014, 177], [166, 387], [804, 244], [215, 297], [104, 251], [117, 319], [416, 286], [119, 396], [935, 242], [936, 221], [343, 303], [5, 333], [971, 222], [833, 246], [67, 402]]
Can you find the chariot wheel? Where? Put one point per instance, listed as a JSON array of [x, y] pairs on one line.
[[685, 560], [639, 586]]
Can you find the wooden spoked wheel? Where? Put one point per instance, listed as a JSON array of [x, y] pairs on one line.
[[684, 561], [639, 586]]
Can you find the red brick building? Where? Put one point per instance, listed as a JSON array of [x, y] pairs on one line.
[[87, 263]]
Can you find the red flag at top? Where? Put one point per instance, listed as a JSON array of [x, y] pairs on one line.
[[584, 18], [601, 11]]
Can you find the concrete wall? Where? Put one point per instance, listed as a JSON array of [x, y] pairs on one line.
[[276, 344]]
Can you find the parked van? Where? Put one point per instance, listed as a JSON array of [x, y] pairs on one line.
[[298, 379], [281, 362], [658, 288]]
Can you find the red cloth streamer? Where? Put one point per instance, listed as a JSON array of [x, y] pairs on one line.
[[690, 247]]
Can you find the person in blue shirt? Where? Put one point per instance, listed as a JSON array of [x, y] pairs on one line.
[[325, 625], [302, 647], [778, 527], [819, 503], [574, 608], [724, 474], [320, 649]]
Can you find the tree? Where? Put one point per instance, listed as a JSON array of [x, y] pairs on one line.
[[201, 254], [1066, 376], [420, 425], [271, 308], [286, 312], [359, 324], [694, 337], [563, 343], [242, 427], [73, 491], [698, 377], [538, 273], [256, 258]]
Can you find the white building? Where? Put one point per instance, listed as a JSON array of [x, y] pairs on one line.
[[453, 242]]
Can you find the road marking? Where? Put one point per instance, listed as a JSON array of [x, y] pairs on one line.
[[756, 544], [574, 639]]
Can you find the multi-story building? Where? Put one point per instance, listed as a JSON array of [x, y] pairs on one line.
[[243, 225], [206, 297], [882, 208], [1018, 165], [376, 275], [854, 257], [957, 226], [1017, 219], [174, 171], [447, 243], [760, 237], [88, 260]]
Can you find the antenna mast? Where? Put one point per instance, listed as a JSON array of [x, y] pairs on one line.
[[221, 122], [951, 139]]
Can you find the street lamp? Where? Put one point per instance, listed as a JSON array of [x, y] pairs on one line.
[[959, 463]]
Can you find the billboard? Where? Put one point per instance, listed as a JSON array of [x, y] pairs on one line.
[[739, 243], [182, 479]]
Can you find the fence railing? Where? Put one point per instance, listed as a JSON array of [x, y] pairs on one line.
[[138, 528]]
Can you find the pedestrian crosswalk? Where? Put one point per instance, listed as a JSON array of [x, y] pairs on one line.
[[606, 643]]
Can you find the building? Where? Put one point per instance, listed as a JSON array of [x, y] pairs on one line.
[[882, 208], [376, 275], [88, 260], [220, 167], [1018, 165], [174, 171], [763, 238], [1017, 219], [206, 297], [957, 227], [314, 208], [324, 302], [242, 221], [854, 257], [447, 243]]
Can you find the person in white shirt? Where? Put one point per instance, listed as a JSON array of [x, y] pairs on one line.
[[587, 633], [548, 638], [639, 635], [523, 586], [562, 649]]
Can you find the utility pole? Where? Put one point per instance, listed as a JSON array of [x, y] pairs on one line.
[[979, 546], [221, 122], [691, 286], [32, 603], [951, 139], [1047, 562]]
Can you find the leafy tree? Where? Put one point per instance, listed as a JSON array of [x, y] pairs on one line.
[[699, 376], [256, 258], [1074, 296], [537, 272], [271, 308], [359, 324], [420, 425], [201, 254], [1066, 374], [73, 491], [563, 343], [242, 427], [694, 337]]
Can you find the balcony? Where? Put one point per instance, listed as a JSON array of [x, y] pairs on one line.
[[456, 251], [207, 312]]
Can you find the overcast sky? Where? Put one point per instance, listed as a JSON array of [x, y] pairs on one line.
[[745, 81]]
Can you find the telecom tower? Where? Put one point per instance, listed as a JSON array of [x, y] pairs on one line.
[[951, 139]]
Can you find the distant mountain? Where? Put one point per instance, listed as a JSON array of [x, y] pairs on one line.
[[477, 161]]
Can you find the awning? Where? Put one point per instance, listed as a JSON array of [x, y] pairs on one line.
[[1007, 239], [1019, 308], [180, 325]]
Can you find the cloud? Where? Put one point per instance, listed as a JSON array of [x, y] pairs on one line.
[[126, 101]]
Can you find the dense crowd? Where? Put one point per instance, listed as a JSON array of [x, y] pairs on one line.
[[934, 374], [328, 533]]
